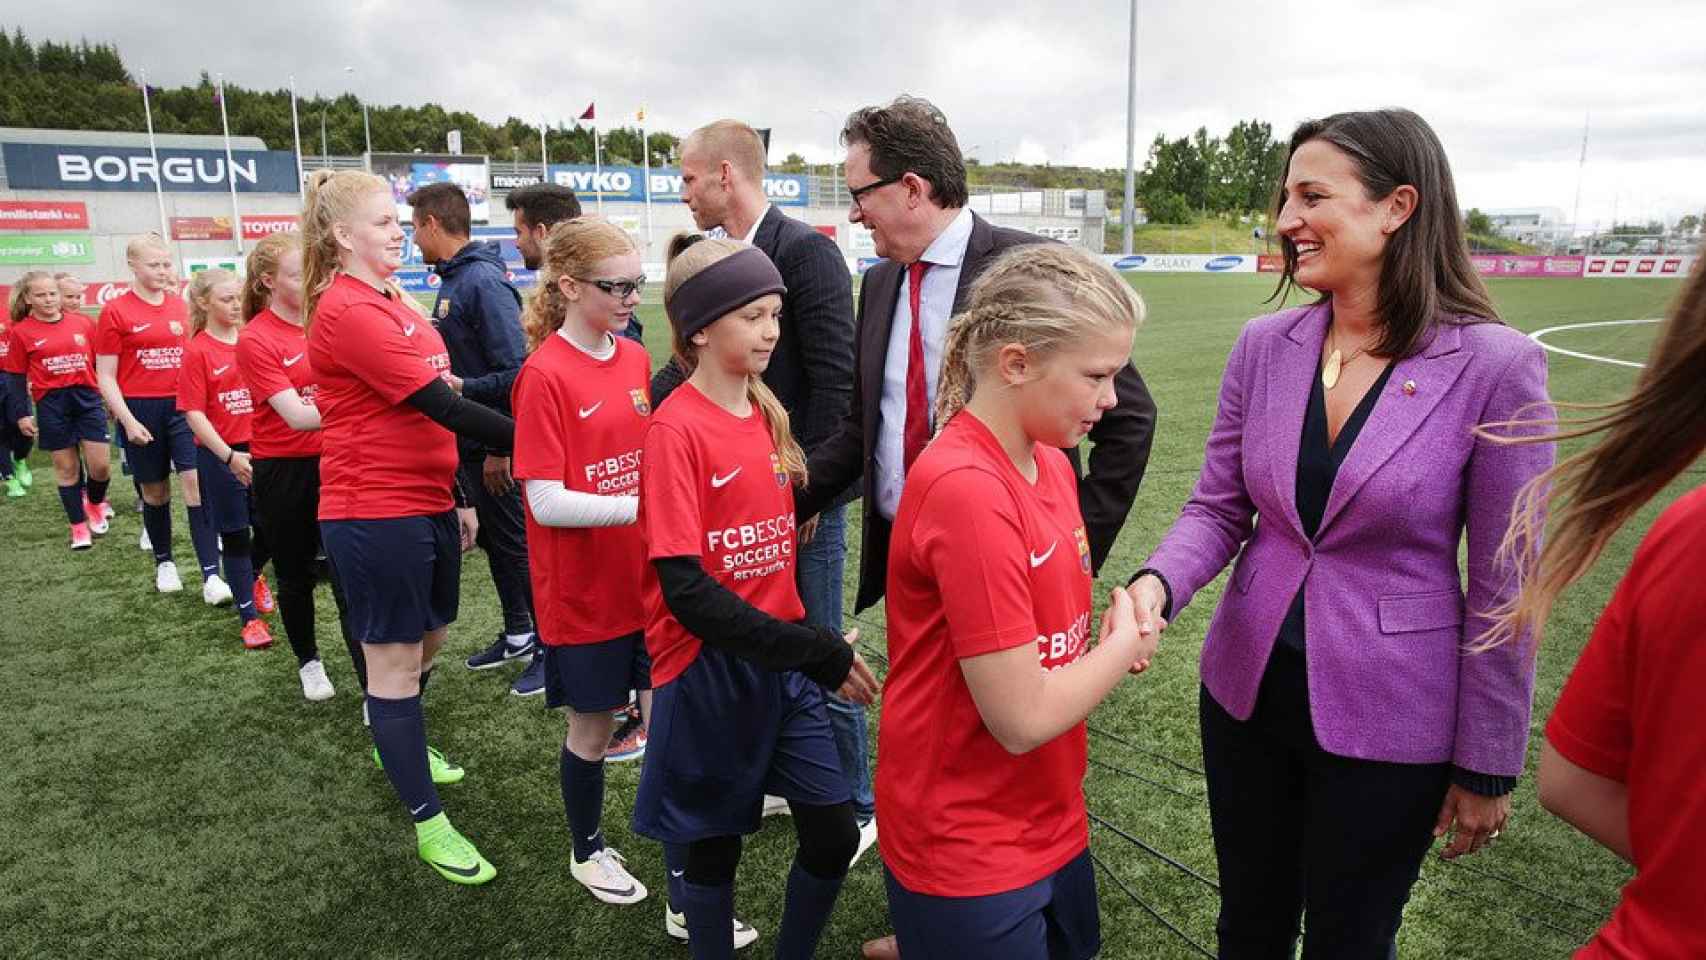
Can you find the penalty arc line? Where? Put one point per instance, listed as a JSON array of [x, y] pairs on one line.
[[1538, 334]]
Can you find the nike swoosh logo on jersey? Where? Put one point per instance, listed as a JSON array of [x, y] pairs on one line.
[[1037, 561], [589, 411], [41, 341], [409, 330], [218, 371], [718, 483], [291, 361], [141, 327]]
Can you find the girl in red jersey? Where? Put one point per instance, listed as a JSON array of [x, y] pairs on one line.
[[139, 347], [581, 410], [215, 401], [48, 360], [389, 513], [272, 354], [14, 446], [981, 747], [739, 681]]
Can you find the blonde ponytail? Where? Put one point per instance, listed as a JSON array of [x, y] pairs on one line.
[[333, 196]]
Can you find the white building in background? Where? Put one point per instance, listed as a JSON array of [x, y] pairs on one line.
[[1532, 225]]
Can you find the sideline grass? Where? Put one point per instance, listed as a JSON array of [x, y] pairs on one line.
[[165, 794]]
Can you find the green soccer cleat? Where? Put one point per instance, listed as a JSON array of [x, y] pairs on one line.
[[450, 853], [14, 486], [21, 470], [443, 771]]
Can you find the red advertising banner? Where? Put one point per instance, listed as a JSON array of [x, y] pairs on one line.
[[43, 215], [1523, 265], [1270, 263], [827, 229], [1673, 265], [259, 226], [201, 228]]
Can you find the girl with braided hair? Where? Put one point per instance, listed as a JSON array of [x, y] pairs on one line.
[[982, 746]]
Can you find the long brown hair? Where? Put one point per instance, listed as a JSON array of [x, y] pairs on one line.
[[1651, 436], [571, 249], [1426, 276], [689, 254], [20, 305], [1041, 295], [263, 263]]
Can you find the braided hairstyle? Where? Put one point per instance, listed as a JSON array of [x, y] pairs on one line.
[[571, 249], [1042, 296]]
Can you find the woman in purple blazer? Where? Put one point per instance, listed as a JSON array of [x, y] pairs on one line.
[[1344, 723]]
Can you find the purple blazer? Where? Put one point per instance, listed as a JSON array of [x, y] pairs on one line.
[[1385, 610]]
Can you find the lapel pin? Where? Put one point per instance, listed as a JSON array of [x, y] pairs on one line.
[[1409, 388]]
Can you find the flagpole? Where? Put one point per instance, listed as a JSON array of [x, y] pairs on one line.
[[646, 167], [544, 161], [597, 168], [230, 167], [295, 128], [154, 152]]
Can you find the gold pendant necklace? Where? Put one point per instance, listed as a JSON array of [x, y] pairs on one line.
[[1335, 364]]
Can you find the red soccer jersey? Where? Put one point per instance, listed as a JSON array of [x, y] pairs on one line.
[[381, 457], [148, 341], [713, 487], [211, 383], [273, 356], [52, 356], [1630, 711], [581, 422], [980, 560]]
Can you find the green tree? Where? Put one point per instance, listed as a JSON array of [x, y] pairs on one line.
[[1478, 223]]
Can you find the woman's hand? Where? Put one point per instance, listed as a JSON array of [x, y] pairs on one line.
[[138, 433], [861, 684], [1473, 821], [469, 524], [242, 467], [1148, 600], [27, 426]]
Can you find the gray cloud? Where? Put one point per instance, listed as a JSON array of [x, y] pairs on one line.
[[1506, 84]]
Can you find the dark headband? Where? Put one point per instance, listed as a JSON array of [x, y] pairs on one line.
[[730, 283]]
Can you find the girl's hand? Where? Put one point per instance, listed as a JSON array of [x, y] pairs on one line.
[[27, 426], [242, 466], [861, 684], [470, 526], [138, 433], [1120, 623]]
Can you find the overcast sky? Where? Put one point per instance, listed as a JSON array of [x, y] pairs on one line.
[[1507, 84]]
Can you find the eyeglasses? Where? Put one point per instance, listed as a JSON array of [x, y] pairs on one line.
[[859, 194], [620, 289]]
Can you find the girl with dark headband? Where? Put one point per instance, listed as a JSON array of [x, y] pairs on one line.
[[738, 681]]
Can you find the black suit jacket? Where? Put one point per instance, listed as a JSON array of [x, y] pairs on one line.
[[811, 371], [1105, 493]]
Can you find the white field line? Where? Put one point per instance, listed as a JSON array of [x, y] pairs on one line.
[[1537, 336]]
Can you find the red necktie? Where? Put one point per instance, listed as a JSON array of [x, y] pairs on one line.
[[917, 432]]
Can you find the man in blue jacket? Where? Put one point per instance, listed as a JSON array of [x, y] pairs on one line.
[[478, 313]]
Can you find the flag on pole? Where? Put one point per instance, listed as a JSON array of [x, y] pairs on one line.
[[589, 113], [646, 164], [296, 130], [154, 153], [230, 163], [544, 159]]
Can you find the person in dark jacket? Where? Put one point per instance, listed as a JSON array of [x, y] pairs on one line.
[[536, 210], [478, 313]]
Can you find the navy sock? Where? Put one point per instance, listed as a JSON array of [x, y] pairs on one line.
[[583, 801], [157, 520], [809, 902], [98, 491], [710, 919], [675, 867], [71, 498], [240, 574], [399, 731], [5, 465], [204, 539]]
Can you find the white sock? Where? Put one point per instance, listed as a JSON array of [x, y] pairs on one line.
[[516, 641]]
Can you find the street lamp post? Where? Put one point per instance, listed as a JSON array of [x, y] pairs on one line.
[[366, 129]]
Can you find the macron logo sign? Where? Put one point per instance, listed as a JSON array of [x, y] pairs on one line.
[[175, 171]]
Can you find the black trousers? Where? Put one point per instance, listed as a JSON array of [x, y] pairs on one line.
[[1300, 832], [503, 535], [287, 504]]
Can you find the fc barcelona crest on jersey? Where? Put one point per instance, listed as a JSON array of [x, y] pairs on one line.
[[1083, 541], [177, 328], [443, 308], [642, 405], [776, 468], [78, 337]]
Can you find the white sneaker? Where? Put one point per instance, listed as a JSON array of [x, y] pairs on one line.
[[166, 578], [776, 807], [215, 591], [315, 684], [604, 874], [867, 839], [146, 545], [675, 924]]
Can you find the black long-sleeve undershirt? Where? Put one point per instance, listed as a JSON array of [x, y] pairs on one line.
[[463, 417], [714, 614]]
